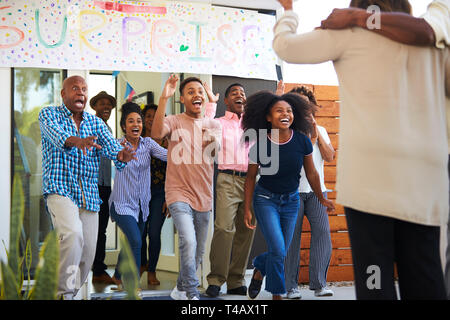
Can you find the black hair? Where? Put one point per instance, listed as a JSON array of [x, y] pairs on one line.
[[227, 91], [258, 106], [147, 107], [384, 5], [127, 108], [186, 81], [304, 91]]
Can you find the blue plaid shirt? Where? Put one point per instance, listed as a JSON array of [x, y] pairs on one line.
[[67, 171]]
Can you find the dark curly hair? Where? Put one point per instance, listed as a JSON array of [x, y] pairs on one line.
[[258, 106], [127, 108], [304, 91], [384, 5]]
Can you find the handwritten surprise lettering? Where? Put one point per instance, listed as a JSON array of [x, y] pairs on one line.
[[116, 35]]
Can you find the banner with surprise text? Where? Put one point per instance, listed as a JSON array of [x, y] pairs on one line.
[[137, 36]]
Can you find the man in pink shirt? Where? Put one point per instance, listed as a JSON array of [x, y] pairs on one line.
[[232, 241]]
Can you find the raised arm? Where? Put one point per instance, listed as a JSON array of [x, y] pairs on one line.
[[159, 131], [211, 106], [397, 26], [312, 47]]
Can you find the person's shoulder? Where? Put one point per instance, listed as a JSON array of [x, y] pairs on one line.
[[49, 109], [51, 112], [301, 140], [148, 141]]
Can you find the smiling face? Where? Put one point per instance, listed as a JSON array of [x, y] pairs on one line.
[[193, 98], [103, 108], [133, 126], [235, 100], [75, 94], [280, 115]]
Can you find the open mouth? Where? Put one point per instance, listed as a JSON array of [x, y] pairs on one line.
[[135, 130], [197, 103], [79, 102], [239, 101], [285, 121]]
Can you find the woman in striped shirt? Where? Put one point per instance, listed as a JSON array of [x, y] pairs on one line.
[[130, 197]]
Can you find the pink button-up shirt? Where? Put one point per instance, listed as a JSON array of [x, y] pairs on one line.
[[233, 155]]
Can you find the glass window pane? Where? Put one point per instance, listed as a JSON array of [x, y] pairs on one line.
[[105, 82], [33, 90]]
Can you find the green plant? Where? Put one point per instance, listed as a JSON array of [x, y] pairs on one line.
[[128, 270], [12, 277], [46, 280]]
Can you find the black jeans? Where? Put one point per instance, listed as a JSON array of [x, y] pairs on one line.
[[99, 266], [153, 228], [378, 242]]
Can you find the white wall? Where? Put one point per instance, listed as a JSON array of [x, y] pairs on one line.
[[5, 161]]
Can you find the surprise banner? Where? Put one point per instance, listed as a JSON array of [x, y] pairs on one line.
[[136, 36]]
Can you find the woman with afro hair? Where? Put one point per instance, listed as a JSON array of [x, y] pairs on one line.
[[278, 127]]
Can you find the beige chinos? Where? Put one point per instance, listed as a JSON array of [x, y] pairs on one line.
[[77, 233], [231, 237]]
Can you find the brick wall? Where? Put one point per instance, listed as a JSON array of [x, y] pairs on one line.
[[341, 260]]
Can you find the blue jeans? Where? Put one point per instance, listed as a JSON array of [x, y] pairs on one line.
[[276, 215], [153, 228], [133, 231], [192, 229]]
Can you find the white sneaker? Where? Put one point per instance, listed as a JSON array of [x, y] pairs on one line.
[[178, 295], [194, 298], [323, 292], [294, 294]]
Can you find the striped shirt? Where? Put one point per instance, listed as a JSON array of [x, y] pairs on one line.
[[67, 171], [131, 191]]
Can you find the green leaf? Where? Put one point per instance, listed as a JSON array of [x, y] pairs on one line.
[[9, 289], [128, 270], [28, 259], [17, 214], [46, 281]]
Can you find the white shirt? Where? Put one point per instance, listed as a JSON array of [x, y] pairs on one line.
[[304, 186], [393, 132], [438, 17]]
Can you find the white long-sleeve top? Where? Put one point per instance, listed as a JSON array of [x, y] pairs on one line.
[[393, 140]]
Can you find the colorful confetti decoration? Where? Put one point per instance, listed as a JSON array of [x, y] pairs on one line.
[[137, 36]]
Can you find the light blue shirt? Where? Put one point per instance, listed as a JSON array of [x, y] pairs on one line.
[[67, 171]]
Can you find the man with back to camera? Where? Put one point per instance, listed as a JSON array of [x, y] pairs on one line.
[[433, 28]]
